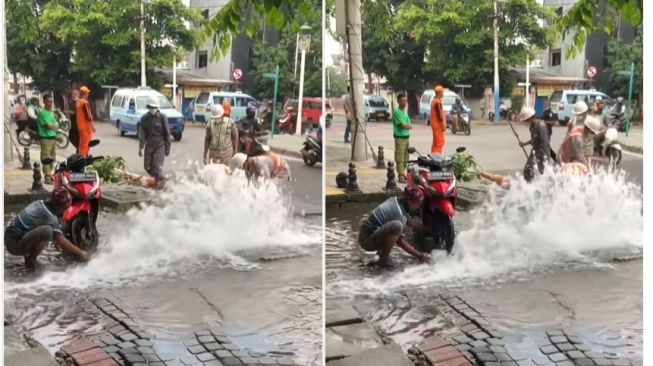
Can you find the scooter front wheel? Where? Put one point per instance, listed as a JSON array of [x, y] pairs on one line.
[[614, 157], [84, 233], [468, 128]]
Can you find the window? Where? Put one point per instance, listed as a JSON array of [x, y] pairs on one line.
[[378, 102], [221, 100], [132, 104], [202, 98], [117, 101], [425, 99], [202, 59], [556, 57], [241, 102]]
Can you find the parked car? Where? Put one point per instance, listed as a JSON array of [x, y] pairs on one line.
[[562, 102], [311, 110], [206, 101], [376, 108], [128, 105], [448, 99]]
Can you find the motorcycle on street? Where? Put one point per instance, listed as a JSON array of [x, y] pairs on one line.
[[27, 132], [460, 122], [608, 146], [312, 151], [434, 175], [504, 113], [79, 221]]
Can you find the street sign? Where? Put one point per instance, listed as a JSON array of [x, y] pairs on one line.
[[591, 72], [238, 73]]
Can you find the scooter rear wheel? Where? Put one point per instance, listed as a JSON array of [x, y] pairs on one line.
[[62, 140], [468, 128]]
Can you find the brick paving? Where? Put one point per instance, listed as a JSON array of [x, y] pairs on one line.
[[479, 343], [125, 343]]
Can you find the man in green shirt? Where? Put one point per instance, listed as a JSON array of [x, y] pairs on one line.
[[401, 125], [48, 126]]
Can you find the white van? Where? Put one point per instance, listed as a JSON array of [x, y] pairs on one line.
[[376, 108], [448, 99], [128, 105], [205, 102]]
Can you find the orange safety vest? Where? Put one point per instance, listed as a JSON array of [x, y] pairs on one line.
[[437, 118]]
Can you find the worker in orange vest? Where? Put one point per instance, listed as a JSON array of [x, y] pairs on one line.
[[85, 125], [227, 107], [438, 121]]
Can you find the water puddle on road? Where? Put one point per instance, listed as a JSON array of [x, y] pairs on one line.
[[557, 235], [197, 240]]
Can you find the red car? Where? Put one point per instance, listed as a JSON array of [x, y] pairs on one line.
[[311, 112]]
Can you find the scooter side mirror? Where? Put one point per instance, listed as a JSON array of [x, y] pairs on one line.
[[461, 149], [412, 150], [94, 143]]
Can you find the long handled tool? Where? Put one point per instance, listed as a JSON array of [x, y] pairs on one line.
[[517, 136], [14, 144]]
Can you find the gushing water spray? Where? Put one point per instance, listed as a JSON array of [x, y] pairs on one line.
[[555, 219]]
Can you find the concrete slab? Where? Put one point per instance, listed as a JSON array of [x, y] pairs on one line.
[[387, 355], [347, 340], [37, 356], [342, 316]]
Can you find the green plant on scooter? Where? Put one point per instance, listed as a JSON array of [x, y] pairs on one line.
[[466, 168]]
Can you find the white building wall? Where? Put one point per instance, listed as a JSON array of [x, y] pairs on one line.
[[222, 68], [574, 67]]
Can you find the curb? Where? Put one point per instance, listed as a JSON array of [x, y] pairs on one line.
[[344, 198], [632, 148]]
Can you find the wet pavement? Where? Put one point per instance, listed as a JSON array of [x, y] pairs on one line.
[[580, 290], [259, 282]]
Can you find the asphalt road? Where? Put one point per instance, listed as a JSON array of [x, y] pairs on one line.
[[494, 147], [305, 188]]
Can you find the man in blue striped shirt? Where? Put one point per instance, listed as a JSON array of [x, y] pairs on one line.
[[385, 226], [37, 225]]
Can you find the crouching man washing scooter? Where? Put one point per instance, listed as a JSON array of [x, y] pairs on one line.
[[37, 225], [385, 226]]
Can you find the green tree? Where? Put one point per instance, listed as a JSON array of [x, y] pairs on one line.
[[105, 37], [586, 16], [337, 82], [392, 51], [459, 37], [266, 57], [245, 16], [33, 51], [620, 56]]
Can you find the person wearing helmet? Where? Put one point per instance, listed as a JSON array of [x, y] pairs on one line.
[[261, 163], [385, 226], [618, 114], [573, 147], [580, 113], [221, 140], [541, 153], [85, 125], [248, 127], [456, 109], [438, 121], [37, 225], [154, 135]]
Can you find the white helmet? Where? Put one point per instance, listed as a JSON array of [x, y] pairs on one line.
[[152, 103], [526, 113], [217, 112], [580, 107], [620, 99], [237, 161], [593, 123]]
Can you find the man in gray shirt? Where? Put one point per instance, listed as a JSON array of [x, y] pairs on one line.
[[385, 226], [541, 152], [37, 225], [155, 137]]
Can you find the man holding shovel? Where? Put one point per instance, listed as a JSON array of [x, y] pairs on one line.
[[541, 152]]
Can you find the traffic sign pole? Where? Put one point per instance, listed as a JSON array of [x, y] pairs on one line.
[[274, 99], [630, 97]]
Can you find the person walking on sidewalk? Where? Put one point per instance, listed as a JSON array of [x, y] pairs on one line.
[[221, 140], [85, 125], [438, 121], [37, 225], [155, 137], [402, 125], [48, 126], [349, 115], [385, 226], [73, 133]]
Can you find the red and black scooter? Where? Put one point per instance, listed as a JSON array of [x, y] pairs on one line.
[[86, 192], [434, 175]]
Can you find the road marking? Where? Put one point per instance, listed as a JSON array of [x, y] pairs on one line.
[[633, 154]]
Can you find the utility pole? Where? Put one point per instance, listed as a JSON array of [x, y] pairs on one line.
[[143, 81], [528, 84], [174, 80], [355, 49], [496, 64]]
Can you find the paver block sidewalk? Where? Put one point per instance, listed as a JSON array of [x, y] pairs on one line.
[[386, 355]]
